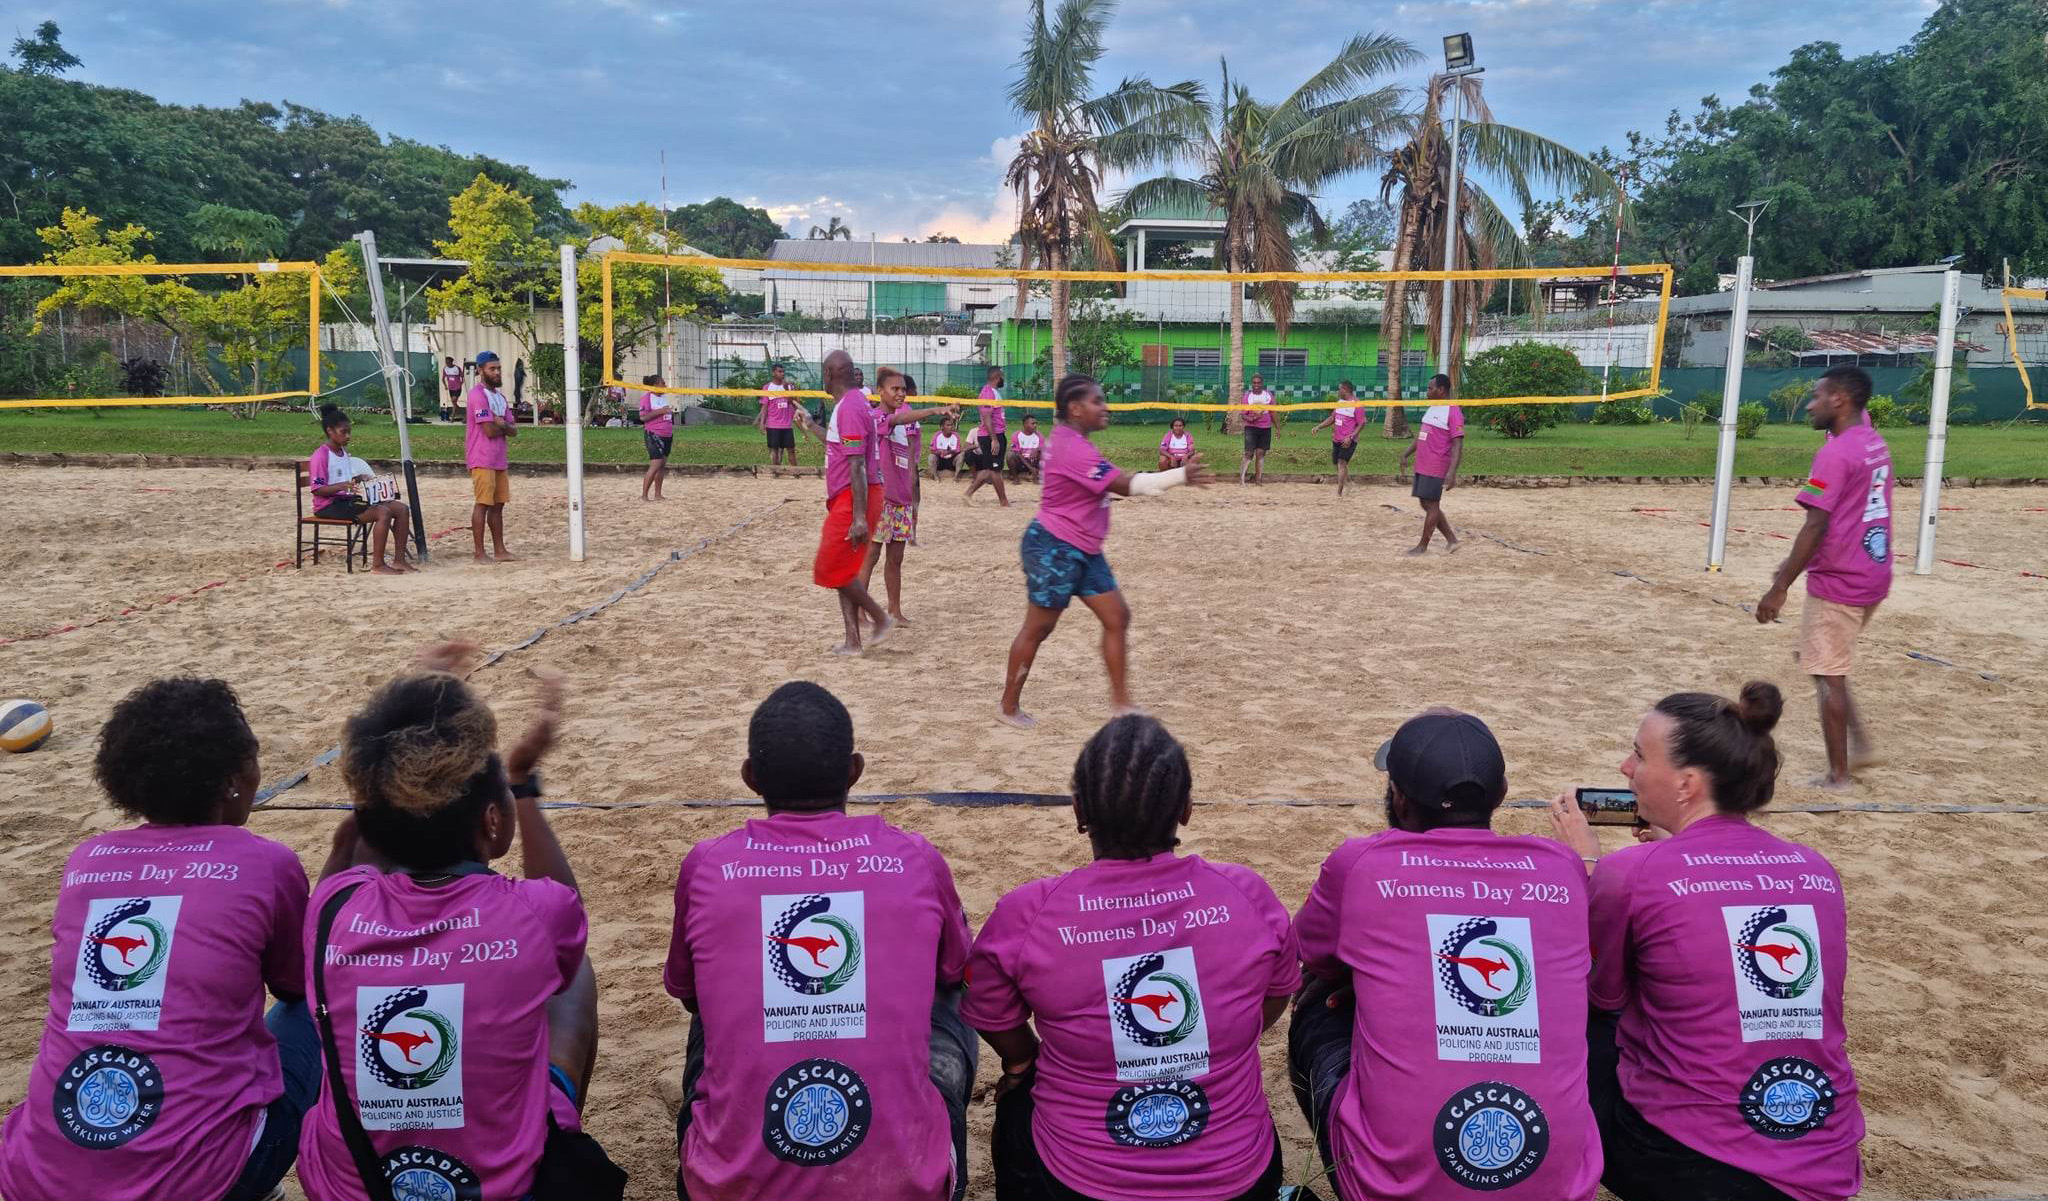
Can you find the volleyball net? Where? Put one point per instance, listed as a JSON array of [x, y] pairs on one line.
[[1162, 341], [148, 333], [2026, 337]]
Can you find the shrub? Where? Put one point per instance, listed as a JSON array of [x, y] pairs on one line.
[[1622, 412], [1522, 369], [1697, 410], [144, 376], [1749, 419], [1790, 397], [1885, 413]]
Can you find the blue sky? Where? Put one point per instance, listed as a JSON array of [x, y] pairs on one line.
[[889, 114]]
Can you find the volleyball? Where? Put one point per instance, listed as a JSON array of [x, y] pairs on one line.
[[24, 725]]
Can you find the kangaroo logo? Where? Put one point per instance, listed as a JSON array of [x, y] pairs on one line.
[[1779, 959], [406, 1045], [1483, 972], [125, 948], [1171, 1006], [813, 950]]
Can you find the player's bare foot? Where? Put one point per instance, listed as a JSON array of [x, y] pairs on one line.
[[506, 556], [1831, 784], [900, 619], [1863, 756], [483, 558], [386, 569], [1412, 551], [882, 633], [1452, 549], [1019, 720], [846, 648]]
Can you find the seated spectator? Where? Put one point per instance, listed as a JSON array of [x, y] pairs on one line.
[[464, 1011], [1028, 452], [159, 1076], [1161, 1095], [1175, 445], [332, 477], [1718, 1065], [820, 955], [1438, 1048], [945, 449]]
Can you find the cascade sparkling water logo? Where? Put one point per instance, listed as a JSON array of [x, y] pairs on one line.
[[1482, 971], [1491, 1135], [107, 1096], [1787, 1098], [126, 948], [811, 949], [1155, 1007], [428, 1174], [1778, 957], [1162, 1113], [407, 1045], [816, 1112]]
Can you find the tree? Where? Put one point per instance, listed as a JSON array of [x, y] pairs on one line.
[[1418, 172], [942, 236], [242, 234], [43, 54], [1260, 163], [1099, 340], [726, 229], [1059, 165], [645, 298], [511, 270], [1522, 369], [833, 229]]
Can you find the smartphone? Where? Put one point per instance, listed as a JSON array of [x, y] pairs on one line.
[[1609, 806]]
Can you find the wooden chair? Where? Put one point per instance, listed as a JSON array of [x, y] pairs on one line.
[[355, 536]]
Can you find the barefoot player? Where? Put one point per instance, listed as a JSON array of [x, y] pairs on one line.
[[1062, 546], [897, 424], [1438, 448], [853, 503], [1845, 549], [1343, 423]]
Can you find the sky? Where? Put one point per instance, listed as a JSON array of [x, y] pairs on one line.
[[889, 114]]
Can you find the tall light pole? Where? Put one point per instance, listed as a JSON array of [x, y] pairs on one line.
[[1458, 63], [1731, 385]]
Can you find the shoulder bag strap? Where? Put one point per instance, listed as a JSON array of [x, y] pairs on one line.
[[367, 1164]]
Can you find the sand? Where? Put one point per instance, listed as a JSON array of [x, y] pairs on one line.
[[1278, 632]]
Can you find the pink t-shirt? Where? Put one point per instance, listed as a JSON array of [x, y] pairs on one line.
[[817, 1021], [1852, 480], [993, 419], [780, 409], [850, 438], [1441, 426], [1177, 445], [451, 378], [1348, 419], [1725, 949], [899, 463], [155, 1066], [657, 415], [327, 467], [1467, 951], [1074, 503], [1257, 419], [1028, 445], [482, 406], [440, 996], [1146, 979]]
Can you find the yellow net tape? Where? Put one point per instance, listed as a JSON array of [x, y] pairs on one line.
[[1662, 271], [2012, 337], [311, 270]]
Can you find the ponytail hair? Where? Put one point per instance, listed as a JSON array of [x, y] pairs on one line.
[[1071, 388], [331, 416], [1730, 741]]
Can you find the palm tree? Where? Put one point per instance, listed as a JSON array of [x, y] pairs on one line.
[[1074, 139], [835, 228], [1486, 239], [1261, 163]]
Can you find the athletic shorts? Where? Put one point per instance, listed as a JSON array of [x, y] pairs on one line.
[[945, 462], [344, 508], [839, 561], [994, 450], [1258, 437], [1827, 635], [895, 525], [1056, 572], [781, 439], [490, 487], [1341, 452], [1427, 487], [658, 445]]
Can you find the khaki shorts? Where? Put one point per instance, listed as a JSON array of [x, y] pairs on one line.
[[1827, 635], [490, 487]]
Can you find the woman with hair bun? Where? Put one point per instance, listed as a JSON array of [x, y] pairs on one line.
[[463, 1010], [331, 476], [1718, 1067]]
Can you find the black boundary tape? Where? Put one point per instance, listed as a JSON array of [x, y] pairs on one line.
[[278, 787]]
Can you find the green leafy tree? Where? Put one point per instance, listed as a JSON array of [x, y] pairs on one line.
[[1101, 341], [43, 54], [1522, 369], [726, 229], [511, 268], [242, 234], [645, 298]]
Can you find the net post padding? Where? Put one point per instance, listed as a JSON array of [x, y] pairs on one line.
[[1654, 365], [310, 270]]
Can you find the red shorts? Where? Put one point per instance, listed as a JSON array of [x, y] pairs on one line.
[[839, 561]]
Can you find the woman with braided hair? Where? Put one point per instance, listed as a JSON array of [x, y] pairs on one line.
[[159, 1075], [1149, 977], [464, 1012], [1718, 1065]]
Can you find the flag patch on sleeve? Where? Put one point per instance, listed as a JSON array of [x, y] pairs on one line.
[[1814, 487]]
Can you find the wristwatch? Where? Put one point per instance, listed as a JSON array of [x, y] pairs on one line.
[[529, 788]]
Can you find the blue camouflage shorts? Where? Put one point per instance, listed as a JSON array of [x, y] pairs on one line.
[[1056, 572]]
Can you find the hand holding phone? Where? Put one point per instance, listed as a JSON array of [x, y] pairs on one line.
[[1609, 807]]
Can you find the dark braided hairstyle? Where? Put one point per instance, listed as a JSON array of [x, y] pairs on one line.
[[1070, 389], [1131, 784]]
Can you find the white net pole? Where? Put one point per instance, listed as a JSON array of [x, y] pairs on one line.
[[1731, 400], [572, 396], [1937, 420]]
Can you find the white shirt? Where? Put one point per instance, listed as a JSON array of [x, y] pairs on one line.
[[1026, 442]]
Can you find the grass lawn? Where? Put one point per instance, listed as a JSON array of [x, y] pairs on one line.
[[1779, 450]]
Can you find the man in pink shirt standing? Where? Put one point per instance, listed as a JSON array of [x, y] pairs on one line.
[[821, 956], [995, 442], [1343, 423], [1439, 1049], [1438, 448], [1845, 549], [777, 412], [1258, 432], [489, 420]]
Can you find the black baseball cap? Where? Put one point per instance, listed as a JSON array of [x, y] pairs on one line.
[[1446, 760]]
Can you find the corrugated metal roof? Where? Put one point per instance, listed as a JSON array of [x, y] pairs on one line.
[[895, 254], [1850, 341]]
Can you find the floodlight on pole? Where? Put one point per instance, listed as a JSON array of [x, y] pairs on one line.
[[1747, 212], [1458, 51], [1458, 63]]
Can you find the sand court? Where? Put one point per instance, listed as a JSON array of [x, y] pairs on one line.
[[1278, 632]]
